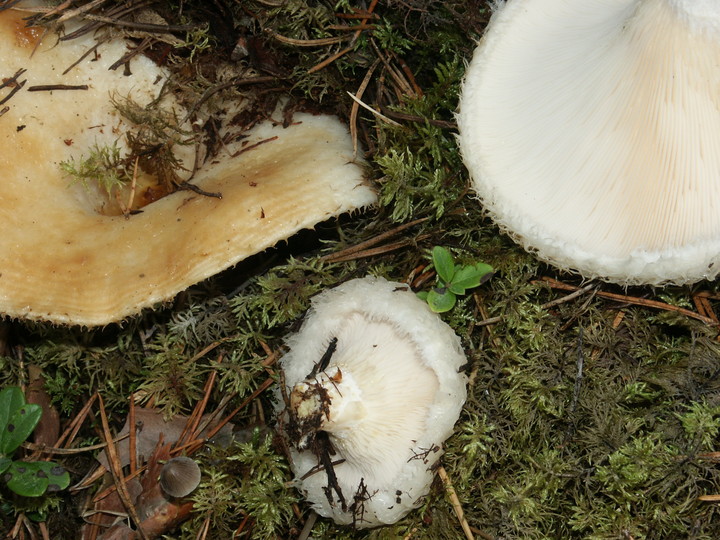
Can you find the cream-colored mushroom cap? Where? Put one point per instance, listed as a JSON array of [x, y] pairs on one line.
[[64, 259], [378, 374], [591, 130]]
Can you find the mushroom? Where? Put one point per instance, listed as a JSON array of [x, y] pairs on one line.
[[590, 130], [65, 258], [375, 387], [179, 476]]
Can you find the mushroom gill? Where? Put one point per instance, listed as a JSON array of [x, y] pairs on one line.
[[65, 258], [590, 130]]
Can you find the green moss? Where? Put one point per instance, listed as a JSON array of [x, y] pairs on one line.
[[104, 166], [282, 294], [246, 479], [576, 426]]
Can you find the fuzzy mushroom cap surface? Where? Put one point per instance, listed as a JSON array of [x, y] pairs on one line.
[[387, 397], [66, 259], [591, 130]]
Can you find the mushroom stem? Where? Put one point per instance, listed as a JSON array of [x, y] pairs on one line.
[[330, 402]]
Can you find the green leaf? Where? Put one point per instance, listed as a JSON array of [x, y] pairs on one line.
[[37, 516], [469, 277], [483, 269], [19, 427], [11, 399], [4, 464], [35, 478], [441, 300], [444, 265]]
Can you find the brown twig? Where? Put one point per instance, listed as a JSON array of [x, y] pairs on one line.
[[308, 42], [87, 53], [704, 307], [114, 13], [204, 529], [237, 81], [16, 86], [43, 449], [655, 304], [356, 106], [405, 88], [69, 434], [408, 74], [307, 528], [259, 390], [70, 13], [190, 432], [111, 489], [351, 28], [51, 87], [253, 146], [147, 27], [125, 58], [132, 443], [356, 35], [359, 14], [44, 530], [330, 59], [187, 186], [271, 356], [354, 251], [557, 301], [382, 250], [455, 501], [116, 470]]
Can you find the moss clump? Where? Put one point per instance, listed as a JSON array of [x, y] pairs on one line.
[[244, 480]]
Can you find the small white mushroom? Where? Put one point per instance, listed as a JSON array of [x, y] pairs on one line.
[[180, 476], [375, 387], [591, 130]]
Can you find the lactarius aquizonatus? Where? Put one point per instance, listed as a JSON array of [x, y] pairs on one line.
[[69, 254], [591, 131], [373, 388]]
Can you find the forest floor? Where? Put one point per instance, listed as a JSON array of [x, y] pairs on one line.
[[593, 410]]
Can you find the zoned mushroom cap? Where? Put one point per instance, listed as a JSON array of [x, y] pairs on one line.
[[591, 131], [387, 399], [63, 260]]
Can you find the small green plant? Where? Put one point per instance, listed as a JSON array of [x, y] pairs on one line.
[[18, 419], [452, 280], [104, 166]]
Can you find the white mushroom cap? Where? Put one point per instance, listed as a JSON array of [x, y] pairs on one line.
[[388, 398], [65, 260], [591, 130]]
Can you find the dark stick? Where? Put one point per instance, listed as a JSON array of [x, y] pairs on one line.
[[51, 87]]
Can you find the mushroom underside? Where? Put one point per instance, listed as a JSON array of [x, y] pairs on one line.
[[591, 131], [63, 258], [375, 389]]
